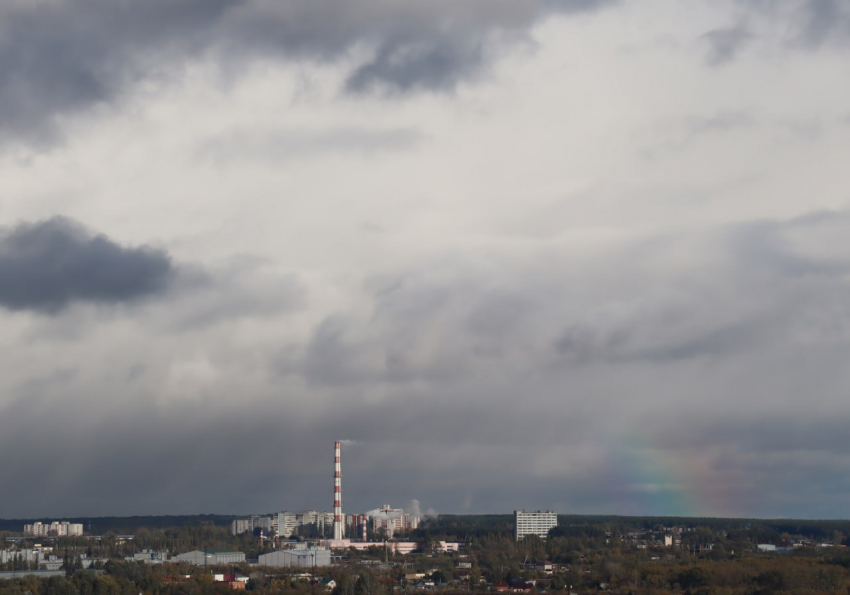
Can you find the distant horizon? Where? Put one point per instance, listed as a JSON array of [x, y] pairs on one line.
[[507, 514]]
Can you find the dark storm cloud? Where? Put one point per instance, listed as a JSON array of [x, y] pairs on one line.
[[404, 448], [142, 447], [48, 265], [63, 57], [58, 58]]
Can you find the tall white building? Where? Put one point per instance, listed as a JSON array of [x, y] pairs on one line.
[[57, 528], [534, 523], [284, 524], [239, 526]]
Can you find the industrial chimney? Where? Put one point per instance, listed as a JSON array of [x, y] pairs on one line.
[[338, 520]]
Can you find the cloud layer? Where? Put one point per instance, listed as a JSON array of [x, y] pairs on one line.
[[587, 256], [58, 58]]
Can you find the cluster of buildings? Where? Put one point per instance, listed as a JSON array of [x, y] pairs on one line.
[[385, 521], [389, 521], [56, 528], [647, 538], [305, 555], [283, 525]]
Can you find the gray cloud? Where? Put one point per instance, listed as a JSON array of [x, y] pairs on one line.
[[767, 283], [726, 43], [437, 64], [721, 121], [809, 24], [718, 126], [286, 145], [48, 265], [61, 58], [237, 290], [822, 21]]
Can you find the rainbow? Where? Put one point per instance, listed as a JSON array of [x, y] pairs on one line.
[[652, 481]]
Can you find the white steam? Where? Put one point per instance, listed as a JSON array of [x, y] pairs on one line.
[[415, 508]]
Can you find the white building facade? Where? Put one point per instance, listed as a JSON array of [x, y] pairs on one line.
[[240, 526], [534, 523], [57, 528]]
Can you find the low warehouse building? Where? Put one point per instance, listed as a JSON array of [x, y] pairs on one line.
[[298, 558], [210, 557]]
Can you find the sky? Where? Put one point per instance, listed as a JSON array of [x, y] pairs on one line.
[[581, 255]]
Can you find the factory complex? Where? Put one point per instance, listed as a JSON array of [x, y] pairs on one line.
[[383, 523], [360, 530], [364, 530]]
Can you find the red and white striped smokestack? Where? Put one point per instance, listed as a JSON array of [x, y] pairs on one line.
[[338, 520]]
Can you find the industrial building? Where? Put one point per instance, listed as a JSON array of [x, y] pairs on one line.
[[30, 556], [303, 558], [210, 557], [148, 557], [534, 523], [385, 521]]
